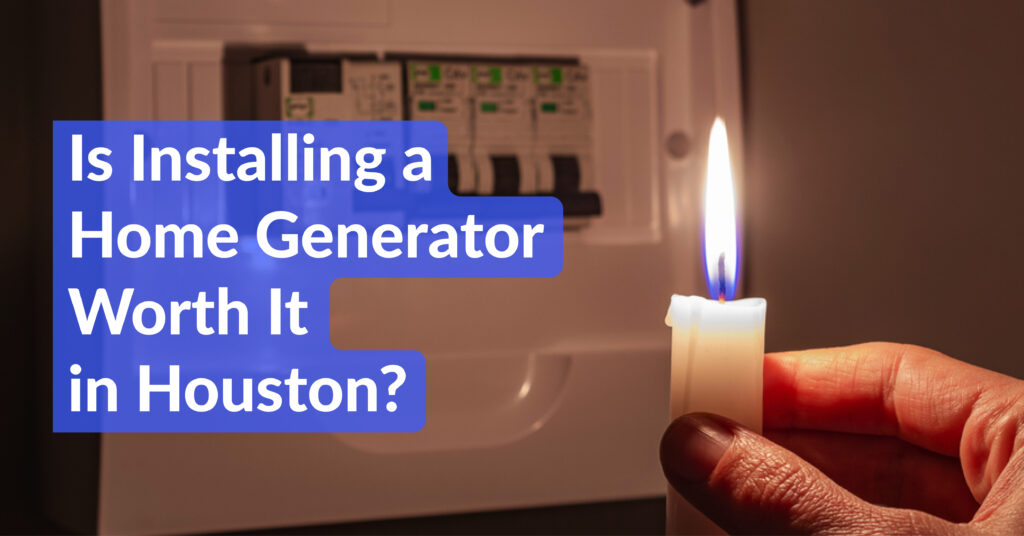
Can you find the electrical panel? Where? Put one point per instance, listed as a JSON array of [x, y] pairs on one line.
[[605, 105], [515, 126]]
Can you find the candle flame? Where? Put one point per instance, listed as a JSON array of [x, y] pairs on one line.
[[720, 237]]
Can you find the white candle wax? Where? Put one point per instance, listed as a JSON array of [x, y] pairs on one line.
[[717, 367]]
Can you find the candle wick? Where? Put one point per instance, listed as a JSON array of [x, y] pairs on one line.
[[721, 277]]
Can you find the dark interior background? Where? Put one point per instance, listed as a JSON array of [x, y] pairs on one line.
[[883, 202], [885, 188], [52, 71]]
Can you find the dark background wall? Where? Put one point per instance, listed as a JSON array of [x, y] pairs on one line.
[[885, 178], [884, 201], [51, 71]]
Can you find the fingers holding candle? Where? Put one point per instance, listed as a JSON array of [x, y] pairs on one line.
[[917, 394], [745, 483], [885, 470], [913, 393]]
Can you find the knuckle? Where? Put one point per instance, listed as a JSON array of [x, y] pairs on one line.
[[768, 481]]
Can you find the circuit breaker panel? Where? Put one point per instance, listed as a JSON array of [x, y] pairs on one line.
[[515, 126], [604, 105]]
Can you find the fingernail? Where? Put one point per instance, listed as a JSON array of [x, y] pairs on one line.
[[692, 446]]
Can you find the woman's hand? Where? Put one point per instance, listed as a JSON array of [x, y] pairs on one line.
[[875, 438]]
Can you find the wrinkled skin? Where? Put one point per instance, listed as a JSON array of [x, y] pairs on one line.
[[870, 439]]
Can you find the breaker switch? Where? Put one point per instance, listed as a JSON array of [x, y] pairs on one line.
[[567, 188], [567, 174], [315, 75], [506, 174]]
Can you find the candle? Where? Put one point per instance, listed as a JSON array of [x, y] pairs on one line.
[[717, 345]]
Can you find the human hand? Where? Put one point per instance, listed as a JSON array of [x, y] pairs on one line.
[[875, 438]]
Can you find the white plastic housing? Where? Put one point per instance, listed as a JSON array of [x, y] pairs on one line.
[[540, 392]]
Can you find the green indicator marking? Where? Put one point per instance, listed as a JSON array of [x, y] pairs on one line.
[[288, 107], [488, 107], [548, 107], [495, 75], [556, 75], [435, 72], [426, 105]]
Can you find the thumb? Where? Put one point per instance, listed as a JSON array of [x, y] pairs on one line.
[[747, 484]]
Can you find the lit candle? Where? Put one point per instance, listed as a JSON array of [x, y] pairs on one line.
[[717, 344]]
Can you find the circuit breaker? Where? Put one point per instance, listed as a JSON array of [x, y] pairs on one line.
[[503, 129], [440, 91], [325, 88], [562, 142], [515, 126]]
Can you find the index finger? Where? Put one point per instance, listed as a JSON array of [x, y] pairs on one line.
[[916, 394]]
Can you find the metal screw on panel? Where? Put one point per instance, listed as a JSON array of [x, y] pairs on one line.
[[678, 145]]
